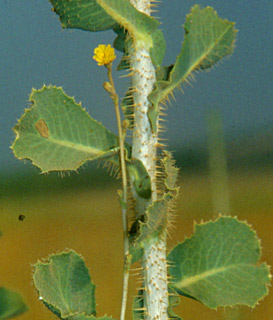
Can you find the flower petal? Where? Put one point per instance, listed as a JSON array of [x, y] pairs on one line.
[[104, 54]]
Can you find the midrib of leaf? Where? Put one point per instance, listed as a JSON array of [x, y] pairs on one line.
[[115, 15], [80, 147], [208, 39], [201, 58], [59, 291], [203, 276], [211, 48], [130, 20]]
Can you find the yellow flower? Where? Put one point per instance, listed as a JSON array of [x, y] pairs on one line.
[[104, 54]]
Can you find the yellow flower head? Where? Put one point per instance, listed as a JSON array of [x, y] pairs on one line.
[[104, 54]]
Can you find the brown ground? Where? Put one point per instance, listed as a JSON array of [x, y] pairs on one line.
[[90, 223]]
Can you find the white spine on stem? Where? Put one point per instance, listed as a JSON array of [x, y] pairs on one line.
[[144, 149]]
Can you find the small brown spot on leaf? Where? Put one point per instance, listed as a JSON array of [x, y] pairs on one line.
[[42, 128]]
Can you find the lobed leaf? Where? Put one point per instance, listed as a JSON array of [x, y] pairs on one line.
[[156, 220], [138, 24], [58, 134], [11, 304], [139, 177], [158, 48], [65, 286], [170, 172], [99, 15], [83, 14], [120, 41], [143, 29], [157, 216], [208, 39], [218, 265]]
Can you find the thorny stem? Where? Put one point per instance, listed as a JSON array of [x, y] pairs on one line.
[[144, 148], [121, 132]]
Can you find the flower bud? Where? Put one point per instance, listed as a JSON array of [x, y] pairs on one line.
[[108, 87]]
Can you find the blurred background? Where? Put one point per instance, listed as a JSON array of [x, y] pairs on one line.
[[220, 129]]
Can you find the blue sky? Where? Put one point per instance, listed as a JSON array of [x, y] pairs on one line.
[[35, 50]]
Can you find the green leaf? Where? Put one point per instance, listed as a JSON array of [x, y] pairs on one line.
[[218, 265], [208, 39], [163, 73], [170, 172], [85, 15], [11, 304], [143, 29], [158, 48], [123, 43], [138, 24], [99, 15], [58, 134], [124, 63], [157, 217], [65, 286], [139, 177], [158, 213], [151, 225], [136, 252], [120, 41]]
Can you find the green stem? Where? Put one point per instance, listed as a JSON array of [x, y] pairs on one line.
[[121, 133]]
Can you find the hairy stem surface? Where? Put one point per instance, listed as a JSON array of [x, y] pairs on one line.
[[145, 149]]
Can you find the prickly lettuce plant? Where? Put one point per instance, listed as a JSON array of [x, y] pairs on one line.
[[219, 264]]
